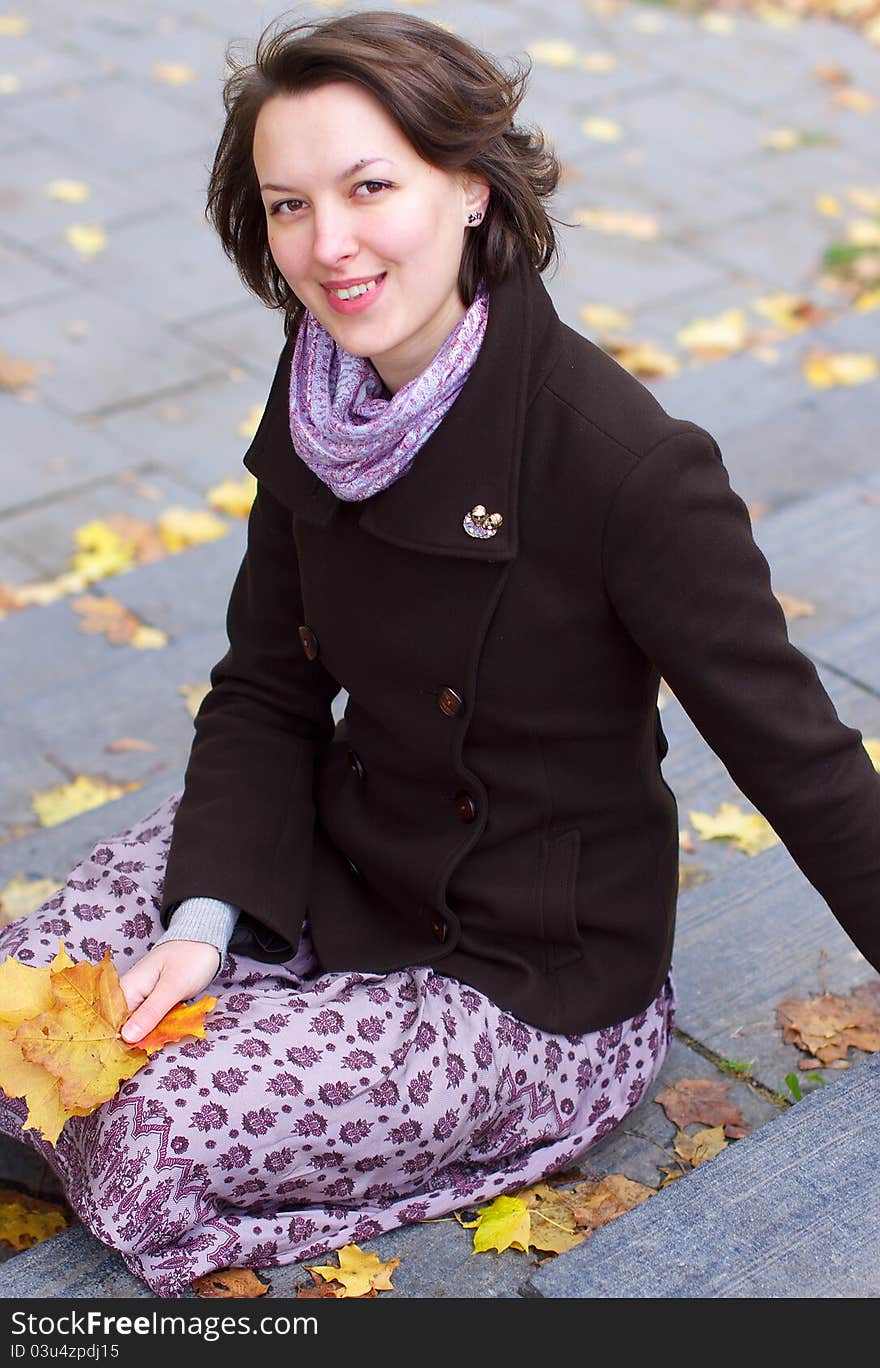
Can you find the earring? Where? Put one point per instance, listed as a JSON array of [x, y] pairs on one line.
[[475, 218]]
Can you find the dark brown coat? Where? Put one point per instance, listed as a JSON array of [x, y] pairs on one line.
[[492, 803]]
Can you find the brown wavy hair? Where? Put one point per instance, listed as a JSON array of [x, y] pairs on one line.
[[454, 103]]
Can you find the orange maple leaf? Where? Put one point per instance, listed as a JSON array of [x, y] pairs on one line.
[[186, 1019]]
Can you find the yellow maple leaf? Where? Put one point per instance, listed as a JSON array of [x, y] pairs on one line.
[[504, 1224], [21, 1226], [63, 801], [13, 25], [748, 831], [101, 551], [182, 527], [77, 1039], [88, 239], [22, 896], [68, 191], [234, 496], [358, 1273]]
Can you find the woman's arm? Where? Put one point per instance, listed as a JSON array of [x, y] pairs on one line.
[[693, 590]]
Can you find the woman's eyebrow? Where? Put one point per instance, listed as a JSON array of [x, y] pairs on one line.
[[358, 166]]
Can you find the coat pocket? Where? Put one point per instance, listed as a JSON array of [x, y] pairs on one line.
[[560, 859]]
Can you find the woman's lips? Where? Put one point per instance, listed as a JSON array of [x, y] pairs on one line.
[[360, 303]]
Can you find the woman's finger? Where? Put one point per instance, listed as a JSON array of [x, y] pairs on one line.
[[151, 1010]]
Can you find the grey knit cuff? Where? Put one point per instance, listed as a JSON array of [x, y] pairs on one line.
[[202, 919]]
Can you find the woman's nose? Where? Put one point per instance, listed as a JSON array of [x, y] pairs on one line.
[[334, 239]]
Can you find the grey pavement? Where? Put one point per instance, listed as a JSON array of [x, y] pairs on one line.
[[151, 355]]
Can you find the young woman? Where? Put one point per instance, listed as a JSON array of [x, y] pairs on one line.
[[451, 914]]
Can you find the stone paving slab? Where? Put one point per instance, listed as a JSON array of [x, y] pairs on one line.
[[792, 1211], [24, 281], [853, 650], [118, 360], [52, 455]]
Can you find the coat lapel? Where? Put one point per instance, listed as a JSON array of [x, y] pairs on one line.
[[473, 456]]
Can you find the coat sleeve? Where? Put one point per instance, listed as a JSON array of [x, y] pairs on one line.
[[244, 829], [692, 589]]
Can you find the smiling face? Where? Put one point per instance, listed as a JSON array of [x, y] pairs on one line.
[[334, 221]]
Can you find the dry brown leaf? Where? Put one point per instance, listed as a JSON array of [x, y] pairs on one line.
[[129, 743], [230, 1282], [696, 1149], [826, 1026], [141, 535], [113, 619], [704, 1100]]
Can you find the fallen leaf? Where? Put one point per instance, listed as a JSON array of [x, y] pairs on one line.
[[193, 695], [642, 359], [605, 318], [503, 1223], [825, 369], [101, 551], [826, 1026], [234, 497], [748, 831], [553, 53], [22, 896], [129, 743], [13, 25], [704, 1144], [173, 73], [623, 222], [16, 374], [690, 876], [230, 1282], [794, 607], [705, 1100], [724, 335], [21, 1226], [360, 1272], [872, 746], [248, 426], [182, 527], [859, 100], [88, 239], [68, 191], [597, 1203], [77, 1039], [602, 130], [186, 1019], [63, 801], [121, 627]]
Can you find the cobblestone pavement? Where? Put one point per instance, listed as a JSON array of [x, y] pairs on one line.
[[150, 359]]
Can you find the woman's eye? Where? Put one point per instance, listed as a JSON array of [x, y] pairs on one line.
[[381, 185]]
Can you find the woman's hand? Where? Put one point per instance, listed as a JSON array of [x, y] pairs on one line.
[[168, 974]]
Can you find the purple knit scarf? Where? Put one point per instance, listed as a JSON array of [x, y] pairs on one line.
[[344, 429]]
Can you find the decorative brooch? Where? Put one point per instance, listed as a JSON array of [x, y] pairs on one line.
[[479, 523]]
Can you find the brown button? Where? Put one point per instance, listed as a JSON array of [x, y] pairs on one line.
[[438, 926], [465, 806], [450, 703], [309, 642], [355, 763]]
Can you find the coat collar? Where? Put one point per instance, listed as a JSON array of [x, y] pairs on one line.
[[472, 457]]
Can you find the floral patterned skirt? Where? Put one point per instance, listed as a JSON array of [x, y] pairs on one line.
[[321, 1108]]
